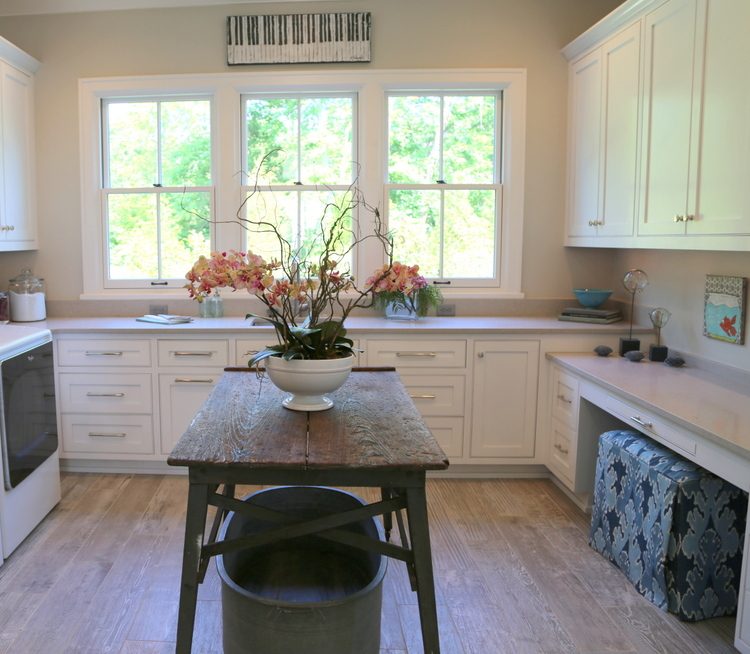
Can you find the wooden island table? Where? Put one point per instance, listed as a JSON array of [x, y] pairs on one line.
[[373, 436]]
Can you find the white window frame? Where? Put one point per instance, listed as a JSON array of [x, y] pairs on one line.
[[371, 86]]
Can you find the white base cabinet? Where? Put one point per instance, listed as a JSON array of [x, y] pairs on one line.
[[180, 396]]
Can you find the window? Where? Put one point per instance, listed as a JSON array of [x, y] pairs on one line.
[[443, 183], [439, 153], [156, 188], [299, 151]]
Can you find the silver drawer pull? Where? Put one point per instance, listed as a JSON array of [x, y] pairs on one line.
[[105, 394], [640, 421], [193, 354], [189, 380], [560, 396], [250, 353], [95, 353], [424, 396], [104, 434], [560, 448], [416, 354]]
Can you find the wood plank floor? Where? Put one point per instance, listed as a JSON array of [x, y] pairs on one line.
[[513, 574]]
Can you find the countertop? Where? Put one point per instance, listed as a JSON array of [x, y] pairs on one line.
[[355, 324], [706, 403]]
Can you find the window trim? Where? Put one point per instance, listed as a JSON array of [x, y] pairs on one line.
[[370, 86]]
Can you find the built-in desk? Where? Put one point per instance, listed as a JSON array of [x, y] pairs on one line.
[[702, 416]]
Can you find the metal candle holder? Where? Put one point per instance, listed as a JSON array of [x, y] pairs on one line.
[[659, 317], [634, 281]]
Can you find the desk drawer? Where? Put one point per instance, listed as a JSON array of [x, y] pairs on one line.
[[194, 353], [103, 352], [653, 426], [565, 397], [410, 354], [105, 393], [441, 395], [562, 452], [111, 434]]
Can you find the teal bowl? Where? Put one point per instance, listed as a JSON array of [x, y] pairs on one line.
[[591, 298]]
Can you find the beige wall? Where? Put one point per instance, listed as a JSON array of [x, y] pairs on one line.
[[406, 34]]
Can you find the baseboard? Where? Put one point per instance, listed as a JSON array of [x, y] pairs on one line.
[[505, 471], [121, 467], [582, 501]]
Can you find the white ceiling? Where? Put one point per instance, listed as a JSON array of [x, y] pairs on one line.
[[28, 7]]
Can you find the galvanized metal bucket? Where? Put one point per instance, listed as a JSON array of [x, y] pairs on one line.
[[305, 594]]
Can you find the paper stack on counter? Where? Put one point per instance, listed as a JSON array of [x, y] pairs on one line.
[[165, 319]]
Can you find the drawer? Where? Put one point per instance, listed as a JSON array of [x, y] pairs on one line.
[[436, 395], [244, 348], [565, 397], [422, 354], [562, 454], [657, 428], [103, 352], [107, 434], [105, 393], [449, 433], [193, 353]]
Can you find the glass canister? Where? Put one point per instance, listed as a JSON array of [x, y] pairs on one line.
[[26, 293], [212, 306]]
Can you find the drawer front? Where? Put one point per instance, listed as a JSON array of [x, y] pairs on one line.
[[107, 434], [669, 435], [105, 393], [562, 456], [103, 352], [194, 353], [449, 433], [441, 395], [244, 348], [411, 354], [565, 397]]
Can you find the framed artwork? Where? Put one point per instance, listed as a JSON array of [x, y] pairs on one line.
[[298, 38], [724, 308]]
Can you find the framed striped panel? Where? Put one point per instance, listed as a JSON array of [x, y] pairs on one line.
[[298, 38]]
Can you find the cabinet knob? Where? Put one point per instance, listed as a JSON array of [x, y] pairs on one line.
[[592, 223], [679, 219], [480, 355], [689, 217]]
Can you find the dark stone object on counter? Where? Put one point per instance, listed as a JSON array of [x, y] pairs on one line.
[[658, 352], [603, 350], [675, 361], [628, 345], [634, 355]]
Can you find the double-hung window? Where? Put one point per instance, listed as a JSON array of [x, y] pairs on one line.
[[443, 184], [300, 164], [157, 193]]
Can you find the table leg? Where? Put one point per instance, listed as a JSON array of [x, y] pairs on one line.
[[385, 494], [416, 508], [195, 524]]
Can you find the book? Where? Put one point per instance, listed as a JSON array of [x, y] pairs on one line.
[[596, 313], [165, 319], [591, 319]]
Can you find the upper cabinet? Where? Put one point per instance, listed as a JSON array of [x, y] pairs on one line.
[[18, 229], [673, 145]]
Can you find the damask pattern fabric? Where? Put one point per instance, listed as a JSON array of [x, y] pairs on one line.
[[673, 528]]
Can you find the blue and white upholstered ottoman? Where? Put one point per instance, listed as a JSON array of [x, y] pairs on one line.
[[673, 528]]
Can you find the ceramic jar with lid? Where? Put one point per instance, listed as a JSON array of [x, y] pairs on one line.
[[26, 293]]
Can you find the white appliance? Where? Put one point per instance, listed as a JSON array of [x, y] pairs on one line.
[[30, 471]]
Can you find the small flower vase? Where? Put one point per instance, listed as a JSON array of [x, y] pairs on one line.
[[402, 309]]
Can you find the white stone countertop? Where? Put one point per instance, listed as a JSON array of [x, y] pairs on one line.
[[454, 325], [714, 405]]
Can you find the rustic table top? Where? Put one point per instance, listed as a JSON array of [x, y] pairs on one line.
[[372, 425]]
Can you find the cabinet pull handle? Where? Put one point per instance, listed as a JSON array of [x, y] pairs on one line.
[[89, 394], [640, 421], [560, 396], [250, 353], [679, 219], [416, 354], [560, 448], [424, 396], [193, 354], [98, 353], [190, 380], [104, 434]]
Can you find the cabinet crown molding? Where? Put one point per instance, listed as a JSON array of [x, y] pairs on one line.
[[623, 16], [17, 57]]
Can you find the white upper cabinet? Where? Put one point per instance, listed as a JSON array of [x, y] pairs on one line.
[[674, 148], [17, 184]]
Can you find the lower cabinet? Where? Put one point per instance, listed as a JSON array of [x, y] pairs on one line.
[[503, 415]]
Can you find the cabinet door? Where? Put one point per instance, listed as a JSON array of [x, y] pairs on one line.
[[669, 54], [585, 145], [180, 397], [504, 402], [621, 68], [19, 213], [723, 193]]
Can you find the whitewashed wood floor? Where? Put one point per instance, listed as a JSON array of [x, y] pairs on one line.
[[513, 574]]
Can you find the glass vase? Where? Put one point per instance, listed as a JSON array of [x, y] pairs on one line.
[[402, 309]]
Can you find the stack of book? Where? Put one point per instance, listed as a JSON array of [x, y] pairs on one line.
[[581, 314], [165, 319]]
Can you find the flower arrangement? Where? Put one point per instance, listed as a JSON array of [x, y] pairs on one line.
[[402, 284]]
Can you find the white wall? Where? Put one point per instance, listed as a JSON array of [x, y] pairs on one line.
[[406, 34]]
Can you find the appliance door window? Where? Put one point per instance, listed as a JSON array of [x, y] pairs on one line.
[[30, 425]]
